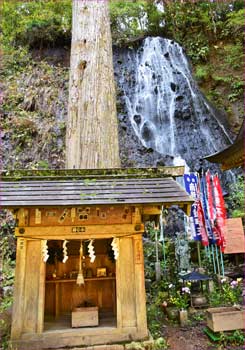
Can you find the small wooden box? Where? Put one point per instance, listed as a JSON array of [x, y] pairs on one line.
[[222, 319], [85, 317]]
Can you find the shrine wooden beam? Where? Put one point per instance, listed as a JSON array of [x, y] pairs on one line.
[[75, 232]]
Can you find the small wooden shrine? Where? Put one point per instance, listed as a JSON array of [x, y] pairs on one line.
[[79, 267]]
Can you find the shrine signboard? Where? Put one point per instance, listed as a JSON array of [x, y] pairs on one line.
[[234, 236]]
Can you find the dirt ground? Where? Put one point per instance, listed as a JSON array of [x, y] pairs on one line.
[[192, 338]]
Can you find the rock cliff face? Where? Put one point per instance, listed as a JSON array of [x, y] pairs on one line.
[[161, 109], [163, 117]]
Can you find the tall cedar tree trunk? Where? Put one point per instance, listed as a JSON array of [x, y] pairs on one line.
[[92, 127]]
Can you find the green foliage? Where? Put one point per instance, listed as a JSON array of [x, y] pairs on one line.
[[198, 50], [198, 316], [130, 20], [202, 73], [215, 298], [160, 344], [6, 303], [203, 18], [235, 338], [14, 60], [135, 346], [5, 329], [221, 79], [238, 337], [168, 268], [226, 294], [36, 23], [235, 24], [236, 198], [42, 164], [6, 251], [155, 319], [181, 299], [233, 54], [237, 88], [32, 114]]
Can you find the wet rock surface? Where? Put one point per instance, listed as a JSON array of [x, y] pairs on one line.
[[161, 108], [35, 111]]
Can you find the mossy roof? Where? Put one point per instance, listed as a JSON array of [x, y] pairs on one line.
[[92, 187]]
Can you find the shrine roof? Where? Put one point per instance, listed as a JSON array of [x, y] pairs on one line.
[[92, 187], [232, 156]]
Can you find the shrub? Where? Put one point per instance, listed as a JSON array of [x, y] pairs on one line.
[[36, 23], [226, 294], [235, 24], [202, 73], [236, 198]]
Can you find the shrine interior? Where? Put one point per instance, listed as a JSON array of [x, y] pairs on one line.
[[62, 293]]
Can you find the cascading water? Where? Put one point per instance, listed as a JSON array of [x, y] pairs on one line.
[[163, 104]]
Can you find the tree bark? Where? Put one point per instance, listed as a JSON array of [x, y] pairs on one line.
[[92, 127]]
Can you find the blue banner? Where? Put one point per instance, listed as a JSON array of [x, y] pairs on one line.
[[191, 181]]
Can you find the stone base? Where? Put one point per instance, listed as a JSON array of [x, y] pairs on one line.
[[100, 347], [147, 344], [81, 338]]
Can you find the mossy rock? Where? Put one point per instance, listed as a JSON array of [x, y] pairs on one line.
[[134, 346]]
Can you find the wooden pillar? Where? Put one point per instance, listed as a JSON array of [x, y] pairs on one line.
[[140, 286], [18, 307], [29, 289], [41, 293], [34, 288], [126, 301]]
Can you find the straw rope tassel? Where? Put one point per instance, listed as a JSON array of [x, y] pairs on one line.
[[45, 254], [80, 278]]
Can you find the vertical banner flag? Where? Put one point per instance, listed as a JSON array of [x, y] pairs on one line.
[[210, 196], [207, 221], [190, 181], [211, 208], [219, 220], [202, 227]]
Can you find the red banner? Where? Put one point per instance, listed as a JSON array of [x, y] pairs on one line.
[[219, 219], [202, 224], [210, 197]]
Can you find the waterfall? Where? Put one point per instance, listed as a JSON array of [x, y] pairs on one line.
[[165, 108]]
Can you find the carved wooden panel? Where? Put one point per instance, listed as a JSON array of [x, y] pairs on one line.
[[80, 216]]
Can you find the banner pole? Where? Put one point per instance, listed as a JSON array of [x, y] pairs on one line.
[[157, 263], [217, 258], [208, 252], [199, 254], [162, 240], [212, 249], [222, 262]]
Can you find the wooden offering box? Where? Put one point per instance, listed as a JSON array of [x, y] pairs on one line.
[[85, 317], [220, 319]]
